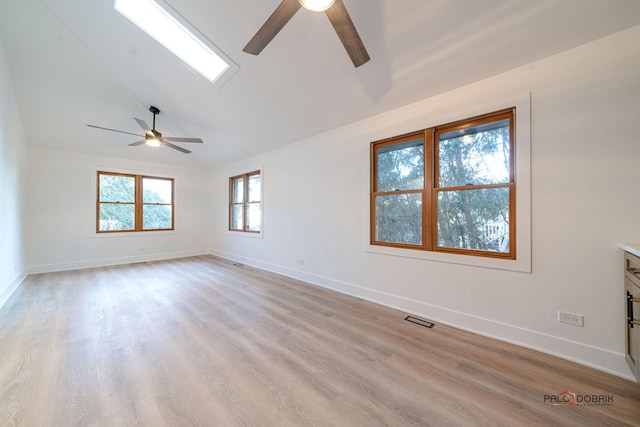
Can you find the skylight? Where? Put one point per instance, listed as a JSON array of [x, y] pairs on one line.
[[166, 30]]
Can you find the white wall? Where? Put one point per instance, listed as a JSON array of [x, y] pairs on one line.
[[62, 207], [12, 178], [585, 153]]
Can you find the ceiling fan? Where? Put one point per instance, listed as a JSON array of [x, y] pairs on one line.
[[152, 137], [335, 10]]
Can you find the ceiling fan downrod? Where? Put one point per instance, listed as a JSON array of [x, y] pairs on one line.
[[154, 111]]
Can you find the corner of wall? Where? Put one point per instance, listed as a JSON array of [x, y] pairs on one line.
[[10, 288], [12, 185]]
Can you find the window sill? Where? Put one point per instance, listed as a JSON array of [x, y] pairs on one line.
[[244, 234], [518, 265], [133, 234]]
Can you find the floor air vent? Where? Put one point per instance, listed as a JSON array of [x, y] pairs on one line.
[[420, 322], [237, 264]]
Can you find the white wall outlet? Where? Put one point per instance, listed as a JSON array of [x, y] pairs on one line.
[[570, 318], [301, 261]]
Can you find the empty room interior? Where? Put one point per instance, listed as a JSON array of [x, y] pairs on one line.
[[319, 213]]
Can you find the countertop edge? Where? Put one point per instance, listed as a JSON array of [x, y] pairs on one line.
[[632, 248]]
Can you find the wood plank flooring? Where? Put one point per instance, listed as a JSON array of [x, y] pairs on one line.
[[198, 341]]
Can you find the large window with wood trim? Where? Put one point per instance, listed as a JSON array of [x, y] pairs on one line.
[[245, 202], [127, 202], [449, 188]]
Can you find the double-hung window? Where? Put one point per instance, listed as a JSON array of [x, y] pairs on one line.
[[129, 202], [449, 188], [245, 202], [399, 193]]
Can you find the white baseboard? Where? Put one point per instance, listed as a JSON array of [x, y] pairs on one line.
[[104, 262], [8, 290], [584, 354]]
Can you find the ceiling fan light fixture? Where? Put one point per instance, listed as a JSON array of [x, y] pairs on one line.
[[153, 142], [316, 5]]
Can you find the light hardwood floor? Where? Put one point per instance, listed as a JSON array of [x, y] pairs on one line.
[[199, 341]]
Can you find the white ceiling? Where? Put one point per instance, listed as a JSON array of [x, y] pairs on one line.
[[75, 62]]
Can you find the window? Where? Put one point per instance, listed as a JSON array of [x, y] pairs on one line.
[[450, 188], [133, 203], [245, 208], [399, 192]]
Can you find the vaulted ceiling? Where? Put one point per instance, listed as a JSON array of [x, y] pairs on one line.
[[79, 62]]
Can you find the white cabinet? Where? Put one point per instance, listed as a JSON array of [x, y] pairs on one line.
[[632, 311]]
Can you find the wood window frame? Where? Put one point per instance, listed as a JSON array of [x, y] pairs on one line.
[[138, 202], [426, 195], [245, 201], [432, 185]]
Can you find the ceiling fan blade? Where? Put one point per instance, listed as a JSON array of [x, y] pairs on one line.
[[347, 32], [113, 130], [178, 139], [272, 26], [175, 147], [135, 144], [145, 127]]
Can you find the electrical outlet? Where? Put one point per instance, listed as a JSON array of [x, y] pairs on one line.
[[570, 318], [301, 261]]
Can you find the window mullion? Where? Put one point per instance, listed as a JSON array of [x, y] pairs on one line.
[[138, 203], [245, 198], [428, 210], [388, 193], [473, 187]]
